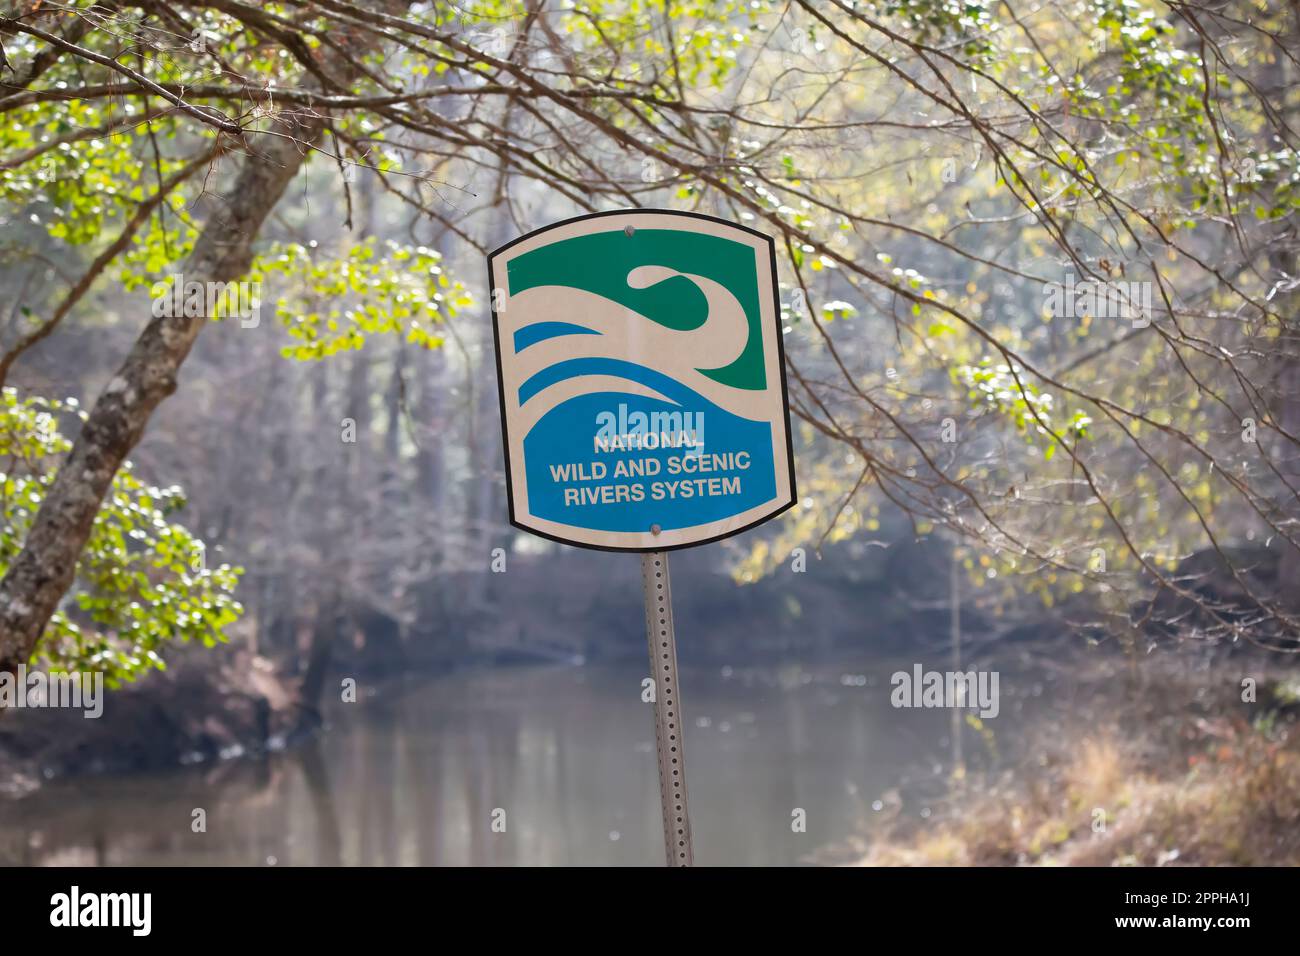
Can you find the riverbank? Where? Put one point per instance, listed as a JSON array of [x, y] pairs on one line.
[[208, 705], [1176, 760], [1092, 758]]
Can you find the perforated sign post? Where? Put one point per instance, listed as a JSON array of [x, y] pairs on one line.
[[643, 407]]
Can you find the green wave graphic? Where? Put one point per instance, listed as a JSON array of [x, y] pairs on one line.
[[600, 262]]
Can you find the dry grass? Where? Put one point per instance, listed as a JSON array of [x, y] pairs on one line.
[[1181, 789]]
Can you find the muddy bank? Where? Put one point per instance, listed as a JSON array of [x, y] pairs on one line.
[[208, 705]]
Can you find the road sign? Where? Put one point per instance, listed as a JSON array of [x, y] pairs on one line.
[[643, 408], [642, 380]]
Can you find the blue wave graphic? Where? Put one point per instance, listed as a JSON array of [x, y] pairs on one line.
[[619, 368], [541, 331]]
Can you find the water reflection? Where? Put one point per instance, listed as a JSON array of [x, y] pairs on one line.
[[413, 772]]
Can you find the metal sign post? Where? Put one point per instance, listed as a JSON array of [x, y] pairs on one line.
[[668, 713]]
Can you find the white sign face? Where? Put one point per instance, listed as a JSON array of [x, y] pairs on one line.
[[642, 380]]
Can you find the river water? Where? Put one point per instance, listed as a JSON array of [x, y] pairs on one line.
[[416, 772]]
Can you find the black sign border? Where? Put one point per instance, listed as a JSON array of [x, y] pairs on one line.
[[501, 390]]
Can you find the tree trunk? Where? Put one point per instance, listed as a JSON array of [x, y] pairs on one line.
[[325, 634], [1284, 260], [44, 570]]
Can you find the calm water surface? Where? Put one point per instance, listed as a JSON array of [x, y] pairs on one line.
[[413, 772]]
